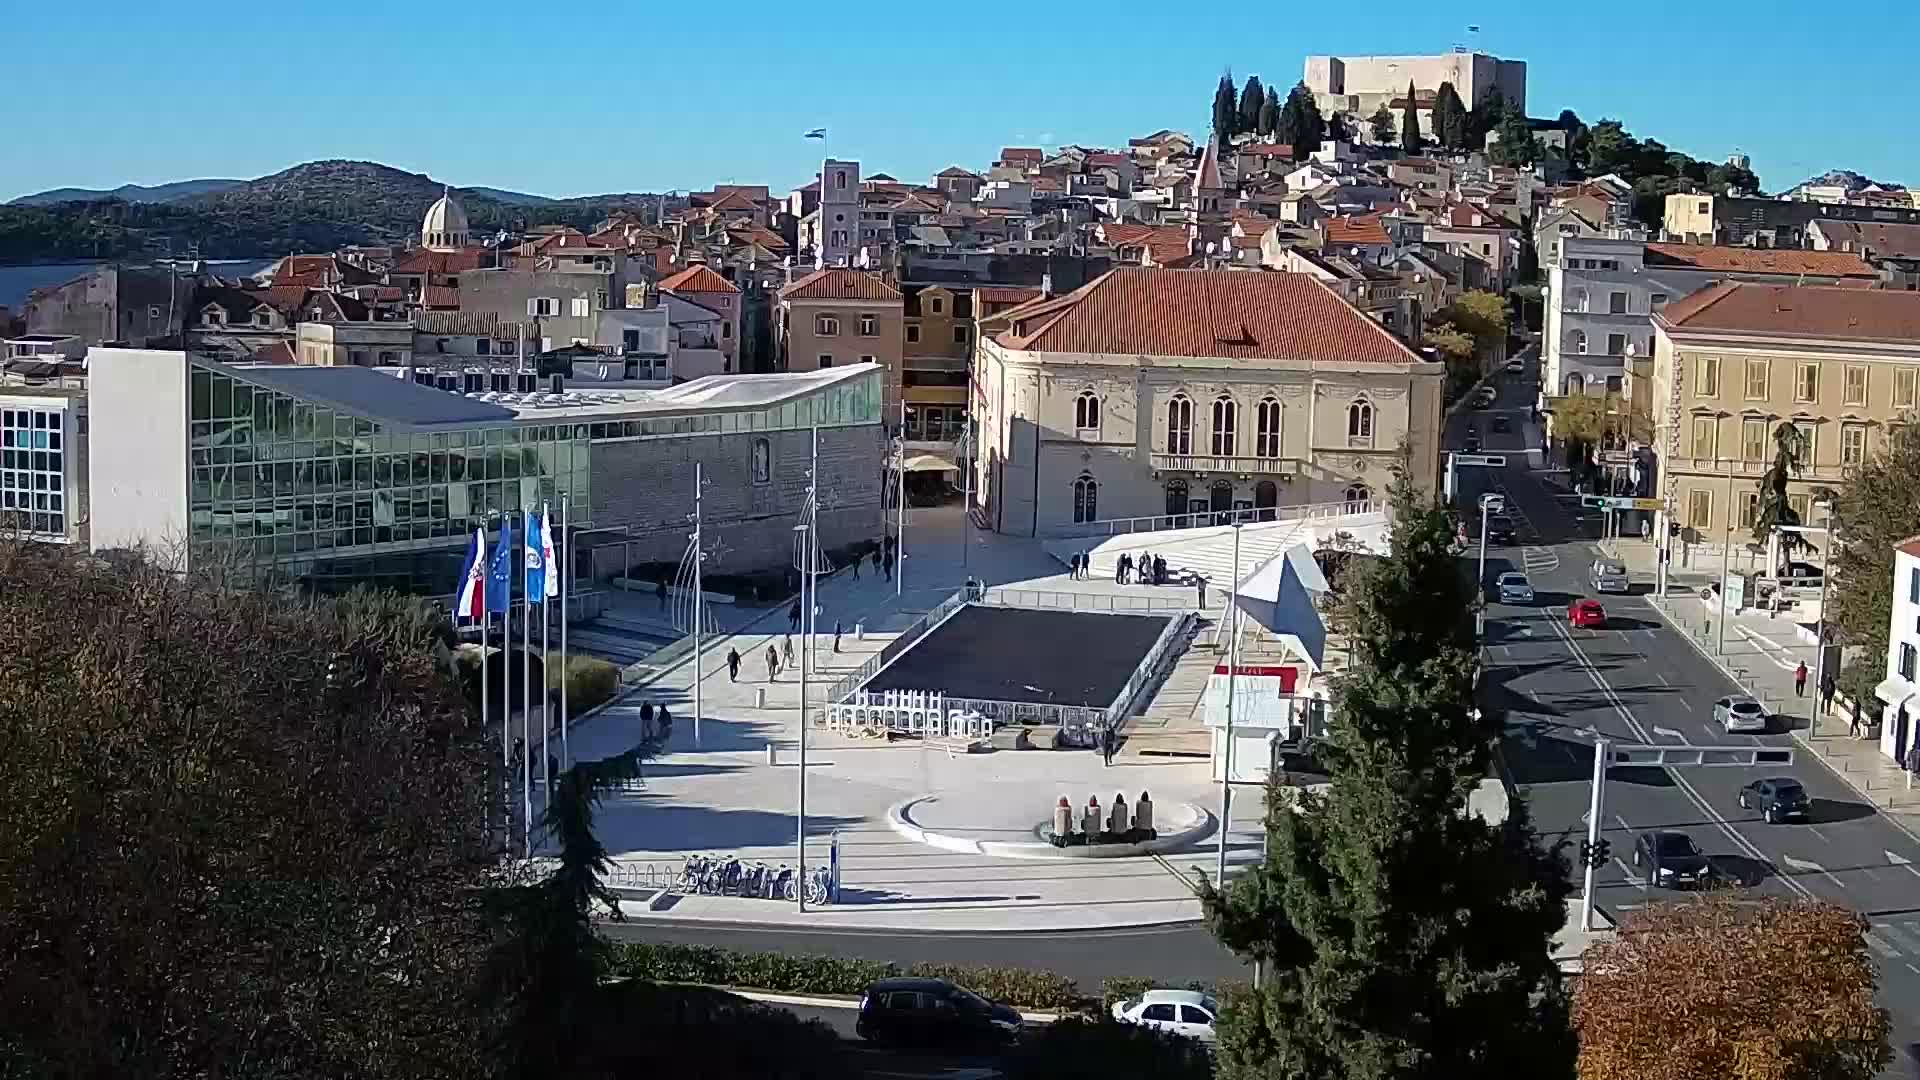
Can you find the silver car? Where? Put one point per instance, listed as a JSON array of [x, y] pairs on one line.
[[1739, 713], [1514, 588], [1608, 576]]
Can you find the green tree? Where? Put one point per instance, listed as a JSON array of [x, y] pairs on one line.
[[1449, 118], [1401, 936], [1410, 140], [1380, 126], [1609, 147], [1301, 125], [1226, 109], [1480, 313], [1340, 127], [1252, 96], [1517, 145], [1270, 113], [1455, 347], [1577, 139], [1076, 1048], [1485, 119], [1880, 506]]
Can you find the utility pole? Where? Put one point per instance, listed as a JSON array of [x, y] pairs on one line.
[[1233, 683], [900, 476], [1591, 852], [809, 540]]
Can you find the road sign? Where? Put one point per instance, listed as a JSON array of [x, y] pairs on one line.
[[1732, 757], [1620, 502], [1492, 461]]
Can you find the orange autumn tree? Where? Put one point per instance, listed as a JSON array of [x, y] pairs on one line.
[[1722, 988]]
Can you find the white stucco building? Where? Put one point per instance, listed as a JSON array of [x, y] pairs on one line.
[[1900, 691], [1157, 393]]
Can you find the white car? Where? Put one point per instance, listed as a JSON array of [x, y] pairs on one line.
[[1182, 1012], [1740, 713], [1516, 367]]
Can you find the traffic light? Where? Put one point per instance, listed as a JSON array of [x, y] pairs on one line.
[[1593, 502], [1595, 855]]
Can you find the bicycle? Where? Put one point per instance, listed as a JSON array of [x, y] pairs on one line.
[[692, 870]]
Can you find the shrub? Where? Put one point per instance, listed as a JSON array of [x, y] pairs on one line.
[[1113, 991], [1020, 987], [831, 975], [590, 681], [1100, 1049]]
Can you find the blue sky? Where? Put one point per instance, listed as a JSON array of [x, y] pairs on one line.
[[563, 101]]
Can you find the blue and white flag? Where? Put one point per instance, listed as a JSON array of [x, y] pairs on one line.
[[536, 555], [500, 570]]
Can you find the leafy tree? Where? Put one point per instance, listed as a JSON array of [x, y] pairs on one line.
[[1252, 97], [1401, 936], [1517, 145], [1672, 995], [1270, 112], [1301, 125], [1880, 504], [1582, 422], [1410, 140], [1380, 125], [1076, 1048], [1449, 118], [1485, 119], [216, 860], [1340, 127], [1455, 347], [1577, 139], [1226, 109], [1609, 147], [1480, 313]]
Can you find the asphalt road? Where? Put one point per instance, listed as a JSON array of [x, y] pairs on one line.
[[1639, 681]]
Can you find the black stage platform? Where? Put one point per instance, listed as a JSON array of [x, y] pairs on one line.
[[1024, 655]]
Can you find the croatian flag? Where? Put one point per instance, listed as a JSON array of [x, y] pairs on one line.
[[472, 602], [546, 551], [536, 561], [815, 133]]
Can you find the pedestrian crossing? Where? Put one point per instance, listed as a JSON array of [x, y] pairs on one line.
[[1896, 939]]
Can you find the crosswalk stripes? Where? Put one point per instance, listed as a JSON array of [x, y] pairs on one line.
[[1893, 939]]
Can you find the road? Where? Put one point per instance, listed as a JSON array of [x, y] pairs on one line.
[[1639, 681]]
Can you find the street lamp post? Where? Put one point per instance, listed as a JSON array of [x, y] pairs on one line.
[[900, 495], [1486, 504], [966, 496], [1233, 682]]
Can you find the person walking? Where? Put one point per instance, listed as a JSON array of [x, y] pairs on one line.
[[1827, 687], [733, 665], [666, 723], [1159, 570], [1140, 569], [836, 635], [1800, 680], [786, 651], [886, 563], [646, 719], [1106, 746], [856, 566], [793, 617], [773, 662], [1201, 583], [1120, 569]]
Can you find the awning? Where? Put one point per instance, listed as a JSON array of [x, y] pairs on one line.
[[1895, 691], [930, 463]]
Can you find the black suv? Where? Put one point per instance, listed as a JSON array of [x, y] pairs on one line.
[[932, 1012], [1672, 860], [1499, 529], [1777, 798]]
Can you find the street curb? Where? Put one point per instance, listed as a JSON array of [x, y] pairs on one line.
[[1159, 926], [1803, 736], [1038, 849], [819, 1002]]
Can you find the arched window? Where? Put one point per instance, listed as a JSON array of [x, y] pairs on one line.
[[1266, 434], [1580, 341], [1086, 499], [1360, 421], [1176, 497], [1225, 412], [1180, 425], [1086, 411], [1576, 384], [1358, 494]]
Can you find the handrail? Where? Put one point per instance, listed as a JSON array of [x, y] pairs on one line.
[[919, 628], [1208, 518]]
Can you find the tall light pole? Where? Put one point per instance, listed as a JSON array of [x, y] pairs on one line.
[[1486, 503], [966, 497], [900, 496], [1233, 683], [1596, 810], [808, 558]]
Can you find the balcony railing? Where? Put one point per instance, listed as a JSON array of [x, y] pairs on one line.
[[1741, 467], [1219, 463], [1201, 519]]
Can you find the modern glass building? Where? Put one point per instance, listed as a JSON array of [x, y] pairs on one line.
[[37, 451]]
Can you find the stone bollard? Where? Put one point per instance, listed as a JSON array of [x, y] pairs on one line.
[[1143, 813], [770, 760], [1090, 820], [759, 697], [1063, 818], [860, 631], [1118, 822]]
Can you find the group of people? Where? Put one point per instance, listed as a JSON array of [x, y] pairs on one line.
[[1148, 569]]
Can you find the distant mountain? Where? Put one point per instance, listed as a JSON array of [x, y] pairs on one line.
[[318, 206], [1846, 178], [133, 193]]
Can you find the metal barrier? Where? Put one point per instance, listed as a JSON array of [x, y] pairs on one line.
[[901, 643], [1155, 664], [1208, 518], [930, 715], [1046, 600]]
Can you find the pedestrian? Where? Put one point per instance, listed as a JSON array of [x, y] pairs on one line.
[[886, 563], [836, 635], [733, 665], [793, 616], [1159, 570], [1106, 746], [773, 662], [856, 567], [1140, 566], [786, 651], [646, 719], [1827, 687], [1120, 569], [666, 723], [1800, 680], [1202, 583], [660, 592]]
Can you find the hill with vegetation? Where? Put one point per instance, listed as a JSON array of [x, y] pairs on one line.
[[133, 193], [318, 206]]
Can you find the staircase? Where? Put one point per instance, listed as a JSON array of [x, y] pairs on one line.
[[622, 637]]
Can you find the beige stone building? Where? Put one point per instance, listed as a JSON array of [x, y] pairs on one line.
[[837, 316], [1735, 360], [1153, 393]]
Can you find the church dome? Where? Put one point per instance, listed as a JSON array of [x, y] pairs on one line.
[[445, 226]]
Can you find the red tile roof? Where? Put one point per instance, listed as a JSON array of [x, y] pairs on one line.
[[440, 298], [278, 352], [1101, 161], [440, 262], [1759, 260], [1365, 229], [839, 284], [1268, 150], [1163, 243], [1911, 546], [1005, 294], [955, 172], [1213, 313], [698, 278], [1806, 311], [1021, 153]]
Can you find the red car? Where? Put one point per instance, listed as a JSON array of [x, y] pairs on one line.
[[1587, 613]]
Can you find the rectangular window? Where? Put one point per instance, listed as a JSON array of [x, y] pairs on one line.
[[913, 334], [1913, 586], [1756, 387], [582, 307], [1700, 508], [959, 335], [869, 326], [1909, 659], [1801, 505], [1616, 344], [1749, 509], [826, 326], [826, 360], [1753, 440], [1658, 299], [1853, 444], [1706, 380], [1616, 303], [1806, 442], [1904, 381], [1806, 383], [542, 306], [1853, 386], [868, 360], [1706, 437]]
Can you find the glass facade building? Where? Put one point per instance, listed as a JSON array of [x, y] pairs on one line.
[[333, 498], [33, 469]]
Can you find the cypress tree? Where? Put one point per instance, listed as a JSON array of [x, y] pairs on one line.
[[1338, 130], [1410, 125], [1402, 937], [1252, 97], [1449, 118], [1226, 110], [1270, 113], [1311, 128], [1381, 123]]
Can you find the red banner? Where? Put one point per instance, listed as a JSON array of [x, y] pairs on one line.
[[1287, 674]]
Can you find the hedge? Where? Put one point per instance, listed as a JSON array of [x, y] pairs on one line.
[[830, 975], [590, 681]]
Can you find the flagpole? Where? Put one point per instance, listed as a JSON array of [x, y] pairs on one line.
[[808, 540], [526, 689], [546, 656], [900, 548], [699, 556], [566, 561]]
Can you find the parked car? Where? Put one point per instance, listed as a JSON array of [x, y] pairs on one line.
[[932, 1012], [1472, 441], [1514, 588], [1182, 1012], [1516, 367], [1672, 859], [1739, 713], [1500, 529], [1778, 798], [1587, 613], [1495, 502], [1607, 576]]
